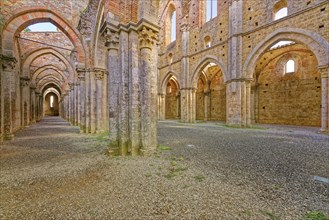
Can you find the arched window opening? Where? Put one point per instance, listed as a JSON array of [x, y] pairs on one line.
[[173, 27], [290, 67], [280, 10], [170, 57], [207, 41], [41, 27], [283, 12], [51, 101], [282, 44], [211, 9]]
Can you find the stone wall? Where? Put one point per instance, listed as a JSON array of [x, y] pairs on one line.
[[292, 98], [240, 34]]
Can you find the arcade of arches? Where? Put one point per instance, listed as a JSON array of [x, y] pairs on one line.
[[119, 66]]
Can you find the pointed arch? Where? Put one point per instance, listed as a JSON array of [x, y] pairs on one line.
[[26, 17], [169, 75], [318, 45], [202, 64], [28, 58]]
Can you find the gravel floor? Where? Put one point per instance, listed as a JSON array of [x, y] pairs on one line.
[[201, 171]]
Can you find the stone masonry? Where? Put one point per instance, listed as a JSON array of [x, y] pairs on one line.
[[114, 66]]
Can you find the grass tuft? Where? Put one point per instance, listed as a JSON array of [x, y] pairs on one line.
[[199, 178], [315, 215], [164, 148]]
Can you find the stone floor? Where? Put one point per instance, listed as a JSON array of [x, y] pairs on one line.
[[200, 171]]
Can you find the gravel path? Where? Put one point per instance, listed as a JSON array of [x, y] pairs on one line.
[[201, 171]]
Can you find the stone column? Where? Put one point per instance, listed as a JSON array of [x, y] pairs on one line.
[[236, 87], [32, 105], [207, 105], [112, 43], [248, 104], [93, 101], [105, 105], [25, 101], [161, 106], [99, 77], [40, 109], [148, 79], [77, 101], [178, 105], [254, 102], [88, 101], [82, 100], [37, 105], [67, 105], [71, 103], [187, 104], [8, 67], [324, 71]]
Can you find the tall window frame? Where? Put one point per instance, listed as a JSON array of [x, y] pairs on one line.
[[170, 25], [211, 9], [173, 20], [290, 67], [280, 10], [51, 103]]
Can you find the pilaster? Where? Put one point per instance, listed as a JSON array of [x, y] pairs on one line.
[[324, 71]]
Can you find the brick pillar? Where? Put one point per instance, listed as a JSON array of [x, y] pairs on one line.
[[148, 80], [324, 71]]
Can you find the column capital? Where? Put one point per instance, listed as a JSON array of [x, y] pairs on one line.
[[147, 37], [8, 63], [111, 38], [324, 71], [71, 85], [184, 27], [99, 73], [81, 74], [24, 81]]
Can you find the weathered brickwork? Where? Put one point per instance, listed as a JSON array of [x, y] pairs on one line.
[[115, 67], [292, 98], [239, 36]]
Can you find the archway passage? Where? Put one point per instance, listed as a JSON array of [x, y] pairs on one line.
[[288, 88], [51, 107], [211, 94], [172, 100]]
